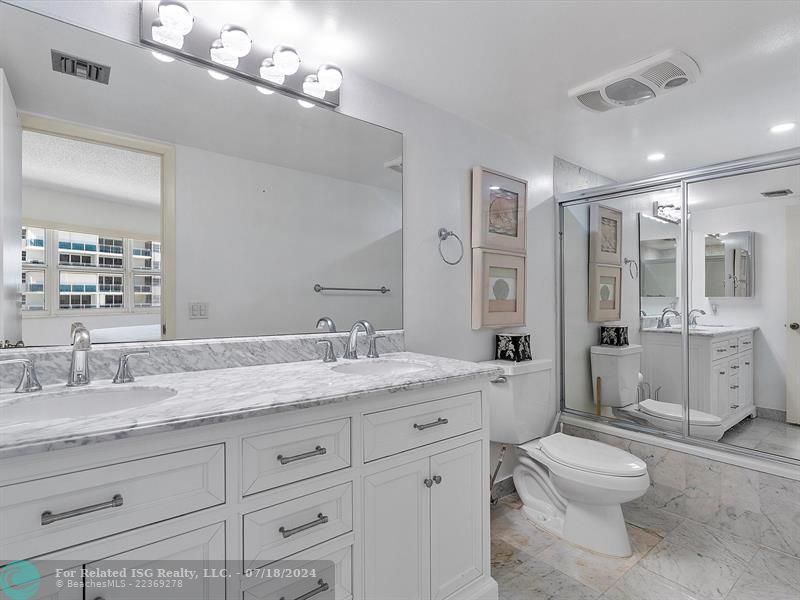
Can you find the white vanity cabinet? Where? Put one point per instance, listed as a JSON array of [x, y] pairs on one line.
[[720, 371], [390, 490]]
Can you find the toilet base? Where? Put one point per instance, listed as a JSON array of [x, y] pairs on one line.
[[600, 528]]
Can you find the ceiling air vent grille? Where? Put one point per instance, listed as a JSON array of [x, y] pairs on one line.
[[664, 73], [777, 193], [595, 101], [79, 67]]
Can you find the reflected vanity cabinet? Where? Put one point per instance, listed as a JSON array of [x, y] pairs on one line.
[[382, 497]]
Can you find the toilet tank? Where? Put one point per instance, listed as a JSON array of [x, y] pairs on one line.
[[618, 369], [521, 402]]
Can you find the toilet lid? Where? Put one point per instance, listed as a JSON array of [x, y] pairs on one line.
[[674, 412], [588, 455]]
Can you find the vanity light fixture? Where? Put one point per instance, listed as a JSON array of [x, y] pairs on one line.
[[494, 188], [782, 127], [656, 156], [227, 50]]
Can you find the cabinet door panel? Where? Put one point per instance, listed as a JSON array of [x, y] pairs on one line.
[[396, 533], [196, 550], [746, 378], [456, 519], [720, 390]]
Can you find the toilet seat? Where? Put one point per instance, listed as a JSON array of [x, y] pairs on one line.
[[674, 412], [586, 455]]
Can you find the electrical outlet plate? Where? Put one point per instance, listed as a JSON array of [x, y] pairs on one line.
[[198, 310]]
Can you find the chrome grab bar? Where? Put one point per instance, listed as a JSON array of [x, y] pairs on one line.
[[436, 423], [318, 451], [321, 587], [319, 288], [48, 517], [320, 520]]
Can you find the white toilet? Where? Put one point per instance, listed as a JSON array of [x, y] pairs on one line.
[[569, 486], [618, 369]]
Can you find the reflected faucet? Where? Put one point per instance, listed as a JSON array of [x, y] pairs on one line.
[[79, 365], [326, 324], [352, 342], [693, 317], [664, 319]]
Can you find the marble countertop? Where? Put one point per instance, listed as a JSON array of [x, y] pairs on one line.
[[705, 330], [216, 396]]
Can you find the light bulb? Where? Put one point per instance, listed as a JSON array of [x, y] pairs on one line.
[[330, 77], [286, 59], [305, 103], [163, 34], [175, 16], [222, 55], [265, 91], [782, 127], [162, 57], [655, 156], [217, 75], [270, 72], [236, 40], [312, 87]]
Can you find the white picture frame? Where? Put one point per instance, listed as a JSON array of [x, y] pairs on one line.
[[605, 293], [498, 289], [605, 235], [499, 211]]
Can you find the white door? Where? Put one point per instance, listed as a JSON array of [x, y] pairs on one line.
[[196, 550], [10, 214], [793, 310], [397, 533], [456, 519]]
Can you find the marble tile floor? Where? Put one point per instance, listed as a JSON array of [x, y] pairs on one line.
[[673, 559], [775, 437]]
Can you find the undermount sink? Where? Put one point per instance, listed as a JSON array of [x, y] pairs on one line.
[[77, 403], [370, 366]]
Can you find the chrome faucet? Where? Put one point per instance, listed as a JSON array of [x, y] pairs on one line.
[[326, 324], [28, 382], [352, 342], [329, 354], [693, 317], [79, 365], [124, 374], [664, 320]]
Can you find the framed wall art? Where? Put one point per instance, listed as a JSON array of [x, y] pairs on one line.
[[498, 289], [499, 209], [605, 235], [605, 293]]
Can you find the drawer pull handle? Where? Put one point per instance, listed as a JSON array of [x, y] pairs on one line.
[[747, 364], [318, 451], [734, 387], [48, 517], [733, 347], [321, 587], [320, 520], [721, 350], [722, 372], [501, 379], [734, 406], [735, 366], [436, 423]]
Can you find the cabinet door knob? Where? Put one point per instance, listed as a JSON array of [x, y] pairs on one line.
[[437, 479], [428, 482], [794, 326]]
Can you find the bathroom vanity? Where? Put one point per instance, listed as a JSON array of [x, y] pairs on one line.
[[720, 370], [378, 467]]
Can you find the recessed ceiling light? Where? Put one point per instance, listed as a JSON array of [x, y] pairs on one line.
[[162, 57], [217, 75], [494, 188], [782, 127], [263, 90], [656, 156]]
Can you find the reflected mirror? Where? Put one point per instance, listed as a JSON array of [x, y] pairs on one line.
[[168, 204], [730, 264]]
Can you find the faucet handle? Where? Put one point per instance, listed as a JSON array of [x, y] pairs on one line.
[[28, 382], [373, 349], [123, 374], [329, 355]]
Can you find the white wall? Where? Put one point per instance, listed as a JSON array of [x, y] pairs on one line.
[[10, 219], [254, 238], [767, 308]]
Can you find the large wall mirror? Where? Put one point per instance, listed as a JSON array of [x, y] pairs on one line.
[[169, 205]]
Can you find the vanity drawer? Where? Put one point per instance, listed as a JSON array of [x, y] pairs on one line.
[[55, 512], [332, 577], [275, 532], [271, 460], [395, 430], [723, 349], [745, 342]]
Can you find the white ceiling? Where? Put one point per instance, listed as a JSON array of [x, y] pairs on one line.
[[96, 170], [744, 189], [508, 65]]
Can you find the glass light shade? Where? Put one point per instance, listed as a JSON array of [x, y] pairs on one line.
[[330, 77], [265, 91], [236, 40], [217, 75], [286, 59], [312, 87], [162, 57], [271, 72], [222, 55], [165, 35], [176, 17]]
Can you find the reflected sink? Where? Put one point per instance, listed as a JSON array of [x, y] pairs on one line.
[[77, 403], [373, 366]]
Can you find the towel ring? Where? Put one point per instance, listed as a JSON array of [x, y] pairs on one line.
[[633, 268], [443, 235]]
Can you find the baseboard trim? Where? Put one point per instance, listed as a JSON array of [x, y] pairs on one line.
[[771, 414], [503, 488], [480, 589]]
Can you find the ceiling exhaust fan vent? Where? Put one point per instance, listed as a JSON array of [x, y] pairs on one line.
[[79, 67], [777, 193], [640, 82]]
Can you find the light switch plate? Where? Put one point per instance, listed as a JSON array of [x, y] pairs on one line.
[[198, 310]]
